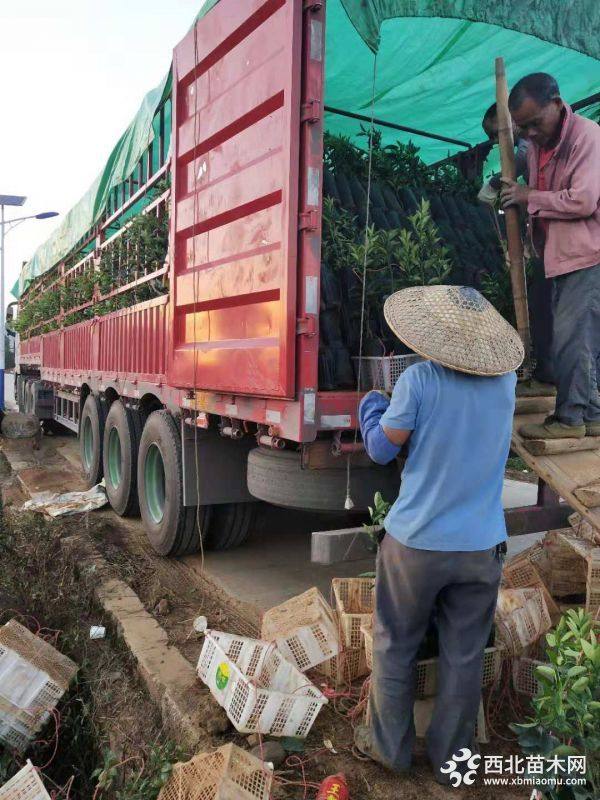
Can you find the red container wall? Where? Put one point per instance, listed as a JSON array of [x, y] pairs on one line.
[[77, 346], [51, 349], [132, 342], [236, 98], [30, 350]]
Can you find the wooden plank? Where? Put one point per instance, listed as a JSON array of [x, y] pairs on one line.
[[589, 495], [534, 405], [541, 447], [563, 472]]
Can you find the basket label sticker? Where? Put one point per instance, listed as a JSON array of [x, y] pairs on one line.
[[222, 676]]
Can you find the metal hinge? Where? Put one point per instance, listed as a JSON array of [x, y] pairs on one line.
[[311, 111], [306, 326], [308, 220], [313, 5]]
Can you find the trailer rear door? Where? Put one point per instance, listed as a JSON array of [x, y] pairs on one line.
[[235, 209]]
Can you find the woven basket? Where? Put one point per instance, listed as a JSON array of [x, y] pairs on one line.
[[260, 691], [25, 785], [354, 598], [33, 678], [304, 629], [229, 773]]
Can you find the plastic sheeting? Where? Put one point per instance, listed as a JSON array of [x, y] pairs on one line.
[[435, 72], [56, 504]]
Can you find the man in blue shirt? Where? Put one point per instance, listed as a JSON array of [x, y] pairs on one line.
[[445, 531]]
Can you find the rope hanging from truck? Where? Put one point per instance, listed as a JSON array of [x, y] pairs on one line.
[[349, 503]]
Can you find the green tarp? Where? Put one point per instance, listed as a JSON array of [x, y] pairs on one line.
[[563, 22], [434, 72], [437, 74]]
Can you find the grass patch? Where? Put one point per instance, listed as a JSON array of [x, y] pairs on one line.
[[516, 463]]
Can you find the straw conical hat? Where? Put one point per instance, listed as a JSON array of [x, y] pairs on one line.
[[455, 326]]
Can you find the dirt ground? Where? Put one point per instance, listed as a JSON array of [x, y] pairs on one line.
[[155, 585], [126, 723]]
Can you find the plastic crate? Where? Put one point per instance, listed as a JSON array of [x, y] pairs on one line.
[[33, 678], [366, 630], [523, 674], [567, 567], [260, 691], [382, 372], [25, 785], [427, 672], [426, 685], [304, 629], [354, 598], [228, 773], [526, 620], [522, 573], [346, 667], [592, 603]]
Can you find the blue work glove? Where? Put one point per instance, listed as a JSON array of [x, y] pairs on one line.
[[372, 407]]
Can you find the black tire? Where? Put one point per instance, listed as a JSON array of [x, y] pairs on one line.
[[277, 477], [91, 436], [171, 527], [122, 434], [230, 525]]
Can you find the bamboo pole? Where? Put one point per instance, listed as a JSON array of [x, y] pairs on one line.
[[511, 213]]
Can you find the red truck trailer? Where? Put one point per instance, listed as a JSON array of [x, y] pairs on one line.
[[197, 402]]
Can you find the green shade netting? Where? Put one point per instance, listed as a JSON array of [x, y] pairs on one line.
[[435, 72]]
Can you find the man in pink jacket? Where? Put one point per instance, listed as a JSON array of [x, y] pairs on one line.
[[563, 203]]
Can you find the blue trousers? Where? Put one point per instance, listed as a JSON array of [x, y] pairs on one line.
[[463, 588]]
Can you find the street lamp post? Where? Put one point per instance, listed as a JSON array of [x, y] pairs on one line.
[[10, 200]]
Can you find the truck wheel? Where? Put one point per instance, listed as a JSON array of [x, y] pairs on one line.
[[172, 528], [91, 433], [122, 432], [277, 477], [230, 525]]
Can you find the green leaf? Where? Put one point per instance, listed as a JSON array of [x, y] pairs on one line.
[[588, 648], [546, 673], [564, 750], [580, 685], [574, 671]]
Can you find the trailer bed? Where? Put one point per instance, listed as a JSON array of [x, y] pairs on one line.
[[565, 473]]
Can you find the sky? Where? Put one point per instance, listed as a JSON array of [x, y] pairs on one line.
[[73, 75]]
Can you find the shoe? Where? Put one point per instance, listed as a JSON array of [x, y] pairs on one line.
[[363, 743], [592, 428], [533, 388], [552, 428]]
